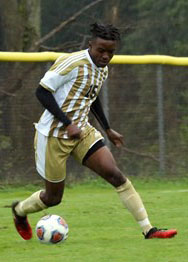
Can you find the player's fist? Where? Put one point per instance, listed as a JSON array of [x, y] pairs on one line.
[[73, 131], [115, 137]]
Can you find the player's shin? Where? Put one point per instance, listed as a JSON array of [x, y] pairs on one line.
[[132, 201], [30, 205]]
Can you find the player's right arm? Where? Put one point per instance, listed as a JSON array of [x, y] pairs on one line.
[[47, 99]]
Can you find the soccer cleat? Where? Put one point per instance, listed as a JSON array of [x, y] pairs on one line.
[[160, 233], [21, 224]]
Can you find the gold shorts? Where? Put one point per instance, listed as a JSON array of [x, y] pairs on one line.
[[51, 153]]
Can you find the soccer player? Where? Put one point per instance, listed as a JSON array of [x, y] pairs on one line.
[[68, 91]]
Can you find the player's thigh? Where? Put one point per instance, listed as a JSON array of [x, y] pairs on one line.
[[103, 163], [90, 136], [51, 155]]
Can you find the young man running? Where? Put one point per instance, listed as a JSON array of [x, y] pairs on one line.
[[68, 91]]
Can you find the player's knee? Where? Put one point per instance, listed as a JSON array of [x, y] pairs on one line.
[[55, 202], [52, 200], [115, 177]]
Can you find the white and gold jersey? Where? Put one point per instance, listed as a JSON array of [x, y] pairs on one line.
[[75, 82]]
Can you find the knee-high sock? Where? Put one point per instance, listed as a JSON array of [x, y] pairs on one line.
[[30, 205], [134, 204]]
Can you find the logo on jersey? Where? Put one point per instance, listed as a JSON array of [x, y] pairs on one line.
[[92, 92]]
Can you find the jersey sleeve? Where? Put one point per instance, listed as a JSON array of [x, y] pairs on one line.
[[62, 71], [52, 80]]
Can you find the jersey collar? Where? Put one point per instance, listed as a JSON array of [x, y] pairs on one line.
[[90, 60]]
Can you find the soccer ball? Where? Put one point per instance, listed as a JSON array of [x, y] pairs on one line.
[[52, 229]]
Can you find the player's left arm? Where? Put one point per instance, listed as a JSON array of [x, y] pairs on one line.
[[113, 136]]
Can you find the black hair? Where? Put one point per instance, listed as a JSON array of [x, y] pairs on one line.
[[107, 32]]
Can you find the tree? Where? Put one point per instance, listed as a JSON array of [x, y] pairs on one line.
[[21, 28], [161, 28]]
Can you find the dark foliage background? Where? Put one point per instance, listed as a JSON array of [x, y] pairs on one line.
[[130, 96]]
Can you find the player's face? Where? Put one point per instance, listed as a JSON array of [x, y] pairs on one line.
[[102, 51]]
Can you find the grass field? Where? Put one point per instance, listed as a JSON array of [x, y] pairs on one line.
[[101, 230]]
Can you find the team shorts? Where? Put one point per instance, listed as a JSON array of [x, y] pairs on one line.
[[51, 153]]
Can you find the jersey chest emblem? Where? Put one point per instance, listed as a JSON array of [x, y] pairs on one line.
[[92, 92]]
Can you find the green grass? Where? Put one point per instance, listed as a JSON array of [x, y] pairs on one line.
[[101, 230]]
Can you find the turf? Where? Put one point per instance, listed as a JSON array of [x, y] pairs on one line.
[[100, 228]]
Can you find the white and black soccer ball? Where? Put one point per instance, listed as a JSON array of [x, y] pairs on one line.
[[52, 229]]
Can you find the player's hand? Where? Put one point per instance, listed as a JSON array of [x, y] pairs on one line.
[[115, 137], [73, 131]]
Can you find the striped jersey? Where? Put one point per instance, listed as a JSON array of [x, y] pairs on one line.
[[75, 82]]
